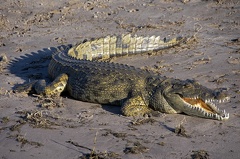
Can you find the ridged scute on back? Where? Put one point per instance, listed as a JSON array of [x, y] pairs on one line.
[[121, 45], [62, 61]]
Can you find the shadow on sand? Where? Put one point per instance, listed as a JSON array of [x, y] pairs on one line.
[[34, 65]]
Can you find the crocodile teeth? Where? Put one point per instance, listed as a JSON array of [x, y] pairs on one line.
[[224, 112], [218, 114], [227, 115], [206, 114], [215, 116], [223, 117], [189, 105], [199, 109], [209, 114]]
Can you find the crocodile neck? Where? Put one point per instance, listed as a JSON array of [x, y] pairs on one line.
[[155, 86]]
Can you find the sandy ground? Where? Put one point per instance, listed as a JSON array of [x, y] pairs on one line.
[[33, 127]]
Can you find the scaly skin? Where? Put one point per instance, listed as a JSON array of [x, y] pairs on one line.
[[79, 72]]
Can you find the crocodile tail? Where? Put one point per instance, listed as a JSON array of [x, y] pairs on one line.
[[113, 46]]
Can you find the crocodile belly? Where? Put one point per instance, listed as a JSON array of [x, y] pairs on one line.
[[99, 88]]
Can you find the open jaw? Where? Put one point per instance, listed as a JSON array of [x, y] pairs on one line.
[[205, 108]]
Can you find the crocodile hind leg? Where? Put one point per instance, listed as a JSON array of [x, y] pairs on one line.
[[135, 107], [53, 89]]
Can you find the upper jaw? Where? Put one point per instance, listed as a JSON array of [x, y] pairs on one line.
[[205, 108]]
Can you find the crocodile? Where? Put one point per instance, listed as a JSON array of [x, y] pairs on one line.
[[86, 74]]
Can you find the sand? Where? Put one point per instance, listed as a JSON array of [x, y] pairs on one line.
[[35, 127]]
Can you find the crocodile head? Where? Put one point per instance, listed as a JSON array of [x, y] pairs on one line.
[[191, 98]]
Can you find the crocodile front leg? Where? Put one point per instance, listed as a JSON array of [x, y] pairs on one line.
[[39, 86], [135, 106]]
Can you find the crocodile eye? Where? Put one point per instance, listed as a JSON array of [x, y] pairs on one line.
[[188, 85], [196, 83]]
